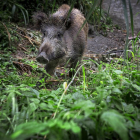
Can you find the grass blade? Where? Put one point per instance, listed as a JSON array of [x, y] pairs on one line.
[[109, 8], [53, 5], [27, 16], [24, 16], [127, 26], [94, 4], [72, 5], [13, 10], [84, 81], [25, 13], [66, 90], [131, 17]]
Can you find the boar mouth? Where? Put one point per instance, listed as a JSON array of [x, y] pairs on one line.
[[42, 58]]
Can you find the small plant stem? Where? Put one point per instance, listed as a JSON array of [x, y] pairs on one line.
[[66, 90], [84, 81]]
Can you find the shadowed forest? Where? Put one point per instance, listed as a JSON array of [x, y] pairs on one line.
[[88, 91]]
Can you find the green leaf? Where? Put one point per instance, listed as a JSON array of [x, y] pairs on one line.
[[27, 15], [117, 103], [24, 16], [116, 90], [45, 132], [136, 87], [32, 107], [35, 92], [94, 4], [127, 25], [137, 125], [78, 96], [84, 105], [102, 93], [66, 126], [75, 128], [116, 121], [128, 108], [130, 124], [118, 72], [28, 129], [84, 80], [53, 5], [17, 134], [13, 10], [36, 101], [131, 17], [43, 106]]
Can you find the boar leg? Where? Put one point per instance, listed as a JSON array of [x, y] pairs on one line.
[[50, 67], [38, 84], [73, 66]]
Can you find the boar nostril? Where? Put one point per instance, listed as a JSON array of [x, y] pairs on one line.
[[42, 60]]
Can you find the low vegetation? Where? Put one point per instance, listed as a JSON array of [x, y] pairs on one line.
[[101, 101]]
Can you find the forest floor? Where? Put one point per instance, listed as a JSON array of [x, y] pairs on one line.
[[105, 87], [114, 39], [102, 45], [99, 44]]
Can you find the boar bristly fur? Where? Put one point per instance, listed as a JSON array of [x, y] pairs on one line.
[[62, 38]]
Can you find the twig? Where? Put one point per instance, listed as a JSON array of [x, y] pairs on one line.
[[23, 48], [27, 38], [9, 36], [54, 81], [24, 67], [30, 39]]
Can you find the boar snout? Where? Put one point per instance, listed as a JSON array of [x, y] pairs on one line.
[[42, 58]]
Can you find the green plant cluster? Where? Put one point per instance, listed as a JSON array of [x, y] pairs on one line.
[[20, 10], [103, 105]]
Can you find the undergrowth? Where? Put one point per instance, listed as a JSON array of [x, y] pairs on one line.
[[101, 101], [101, 105]]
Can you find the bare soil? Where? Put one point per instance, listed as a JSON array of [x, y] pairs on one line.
[[100, 44]]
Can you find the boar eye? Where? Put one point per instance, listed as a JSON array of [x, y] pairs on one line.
[[59, 35], [45, 33]]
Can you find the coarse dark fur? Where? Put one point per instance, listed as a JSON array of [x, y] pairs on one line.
[[62, 38]]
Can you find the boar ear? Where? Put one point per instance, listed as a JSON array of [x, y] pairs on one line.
[[67, 23], [38, 18]]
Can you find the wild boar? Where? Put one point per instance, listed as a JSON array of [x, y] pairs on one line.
[[63, 38]]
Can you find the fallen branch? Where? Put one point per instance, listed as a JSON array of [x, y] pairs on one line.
[[9, 36], [23, 67], [30, 40], [23, 48]]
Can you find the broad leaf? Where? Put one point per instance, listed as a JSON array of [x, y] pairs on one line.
[[117, 122]]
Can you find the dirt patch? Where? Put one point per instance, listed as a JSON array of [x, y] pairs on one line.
[[116, 12], [99, 44]]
